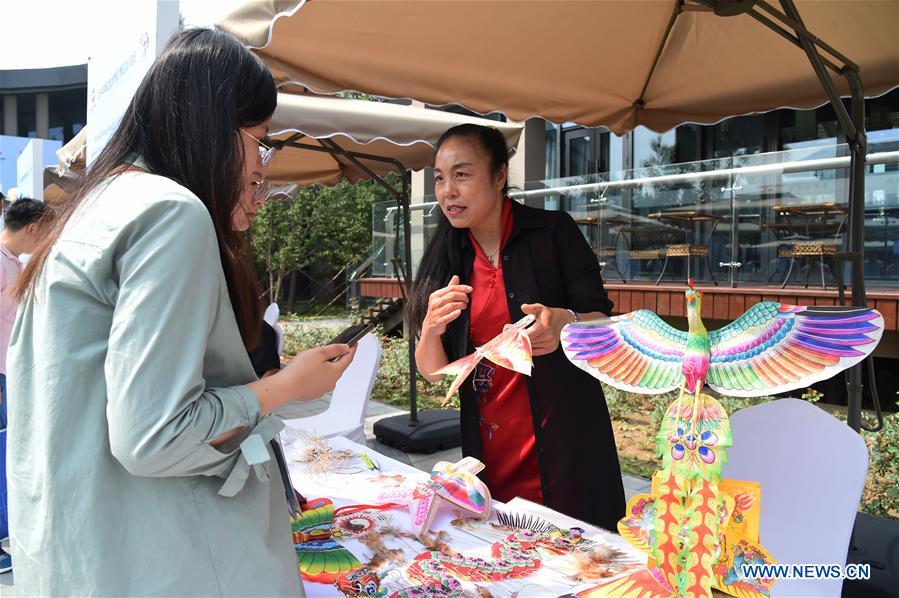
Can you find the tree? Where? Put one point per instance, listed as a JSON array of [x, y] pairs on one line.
[[330, 226]]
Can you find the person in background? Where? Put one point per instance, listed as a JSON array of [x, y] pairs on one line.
[[24, 225], [140, 463], [548, 437]]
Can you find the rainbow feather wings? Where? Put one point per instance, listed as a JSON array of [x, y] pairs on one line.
[[771, 348]]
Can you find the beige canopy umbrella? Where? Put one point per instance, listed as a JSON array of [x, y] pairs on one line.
[[385, 137], [613, 63], [400, 137]]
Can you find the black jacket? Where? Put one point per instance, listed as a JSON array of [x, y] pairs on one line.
[[547, 260]]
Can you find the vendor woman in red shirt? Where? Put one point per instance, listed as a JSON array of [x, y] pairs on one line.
[[547, 437]]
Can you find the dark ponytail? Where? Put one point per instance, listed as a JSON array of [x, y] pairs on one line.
[[440, 260]]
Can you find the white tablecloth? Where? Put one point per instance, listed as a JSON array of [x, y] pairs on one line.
[[357, 487]]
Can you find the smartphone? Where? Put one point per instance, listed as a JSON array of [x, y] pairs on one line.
[[351, 335]]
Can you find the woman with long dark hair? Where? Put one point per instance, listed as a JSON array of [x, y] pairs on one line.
[[548, 437], [139, 459]]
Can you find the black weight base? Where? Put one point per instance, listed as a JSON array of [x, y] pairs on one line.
[[436, 430], [875, 542]]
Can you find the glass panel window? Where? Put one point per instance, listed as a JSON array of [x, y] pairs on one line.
[[653, 149], [808, 128], [738, 136], [551, 148], [67, 113], [581, 155], [616, 153], [27, 117], [688, 147]]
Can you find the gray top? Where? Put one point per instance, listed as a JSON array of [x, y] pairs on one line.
[[123, 366]]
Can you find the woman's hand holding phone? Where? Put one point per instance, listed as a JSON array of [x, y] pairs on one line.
[[316, 371], [308, 376]]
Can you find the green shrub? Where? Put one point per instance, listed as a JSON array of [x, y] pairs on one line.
[[392, 382], [625, 405], [330, 312], [298, 338], [881, 495]]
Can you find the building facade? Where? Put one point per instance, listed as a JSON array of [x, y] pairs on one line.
[[48, 104], [758, 199]]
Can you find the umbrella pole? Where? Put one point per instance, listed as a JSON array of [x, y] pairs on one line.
[[854, 127], [407, 254], [858, 154]]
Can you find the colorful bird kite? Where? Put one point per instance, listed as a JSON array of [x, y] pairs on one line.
[[772, 348]]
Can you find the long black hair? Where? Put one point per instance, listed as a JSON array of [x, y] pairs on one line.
[[438, 262], [183, 123]]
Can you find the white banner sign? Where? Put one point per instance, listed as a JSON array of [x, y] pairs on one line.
[[118, 65], [30, 164]]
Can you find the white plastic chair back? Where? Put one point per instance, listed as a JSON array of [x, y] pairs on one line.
[[271, 316], [812, 470], [346, 414]]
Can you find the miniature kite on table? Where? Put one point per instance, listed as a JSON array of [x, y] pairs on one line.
[[510, 349], [455, 483], [772, 348], [321, 559]]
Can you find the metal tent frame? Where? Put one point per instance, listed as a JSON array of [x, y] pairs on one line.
[[402, 199], [788, 24]]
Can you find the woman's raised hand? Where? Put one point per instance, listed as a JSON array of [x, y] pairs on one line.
[[444, 306]]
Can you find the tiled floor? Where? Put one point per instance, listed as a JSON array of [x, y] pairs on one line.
[[632, 485]]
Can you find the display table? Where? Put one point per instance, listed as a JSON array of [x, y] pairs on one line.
[[356, 481]]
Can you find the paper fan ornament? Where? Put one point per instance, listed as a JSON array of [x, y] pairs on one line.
[[510, 349]]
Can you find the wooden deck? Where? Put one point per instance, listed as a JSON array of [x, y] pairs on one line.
[[725, 303], [380, 287]]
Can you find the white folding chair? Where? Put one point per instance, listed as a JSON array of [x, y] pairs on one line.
[[345, 415], [271, 316], [812, 471]]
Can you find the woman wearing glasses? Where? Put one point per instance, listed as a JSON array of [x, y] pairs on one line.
[[140, 463]]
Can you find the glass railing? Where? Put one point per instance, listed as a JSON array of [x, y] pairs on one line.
[[762, 219], [388, 235]]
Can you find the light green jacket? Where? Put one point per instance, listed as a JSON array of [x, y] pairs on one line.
[[123, 366]]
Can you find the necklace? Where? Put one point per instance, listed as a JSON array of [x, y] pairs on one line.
[[491, 255]]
